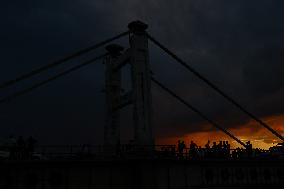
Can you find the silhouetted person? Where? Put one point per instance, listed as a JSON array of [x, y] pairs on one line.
[[207, 145], [192, 149], [31, 142], [219, 148], [200, 152], [224, 149], [214, 149], [228, 149], [207, 149], [249, 148], [238, 152], [181, 147]]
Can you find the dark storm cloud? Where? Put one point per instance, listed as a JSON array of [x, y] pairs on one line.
[[263, 71], [236, 44]]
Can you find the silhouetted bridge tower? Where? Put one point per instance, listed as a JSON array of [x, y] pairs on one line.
[[139, 95]]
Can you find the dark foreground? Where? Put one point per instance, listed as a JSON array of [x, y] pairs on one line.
[[141, 174]]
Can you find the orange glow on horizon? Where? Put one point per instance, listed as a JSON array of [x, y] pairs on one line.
[[259, 136]]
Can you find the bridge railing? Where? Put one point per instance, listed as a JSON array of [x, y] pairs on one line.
[[143, 151], [99, 151], [127, 151]]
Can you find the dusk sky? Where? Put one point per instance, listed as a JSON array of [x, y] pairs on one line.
[[238, 45]]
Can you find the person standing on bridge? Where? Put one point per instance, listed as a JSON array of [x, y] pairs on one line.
[[207, 149], [249, 148], [228, 149], [181, 147], [192, 150]]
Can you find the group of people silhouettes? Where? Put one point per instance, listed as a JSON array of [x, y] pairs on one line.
[[222, 149], [184, 152], [20, 148], [23, 149]]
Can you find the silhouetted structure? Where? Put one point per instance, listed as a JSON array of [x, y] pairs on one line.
[[139, 164], [181, 148], [139, 95]]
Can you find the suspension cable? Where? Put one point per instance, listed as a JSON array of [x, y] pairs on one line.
[[37, 85], [213, 86], [60, 61], [197, 111]]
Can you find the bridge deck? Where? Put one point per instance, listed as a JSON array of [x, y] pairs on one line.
[[142, 173]]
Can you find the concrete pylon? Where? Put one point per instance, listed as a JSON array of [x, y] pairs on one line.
[[141, 84], [140, 94], [112, 90]]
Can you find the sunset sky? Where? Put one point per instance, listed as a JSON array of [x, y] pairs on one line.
[[238, 45], [250, 131]]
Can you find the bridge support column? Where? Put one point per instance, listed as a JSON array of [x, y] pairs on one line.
[[140, 94], [141, 84], [112, 90]]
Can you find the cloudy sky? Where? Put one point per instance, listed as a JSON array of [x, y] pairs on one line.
[[238, 45]]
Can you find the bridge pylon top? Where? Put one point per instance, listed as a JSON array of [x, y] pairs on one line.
[[137, 26]]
